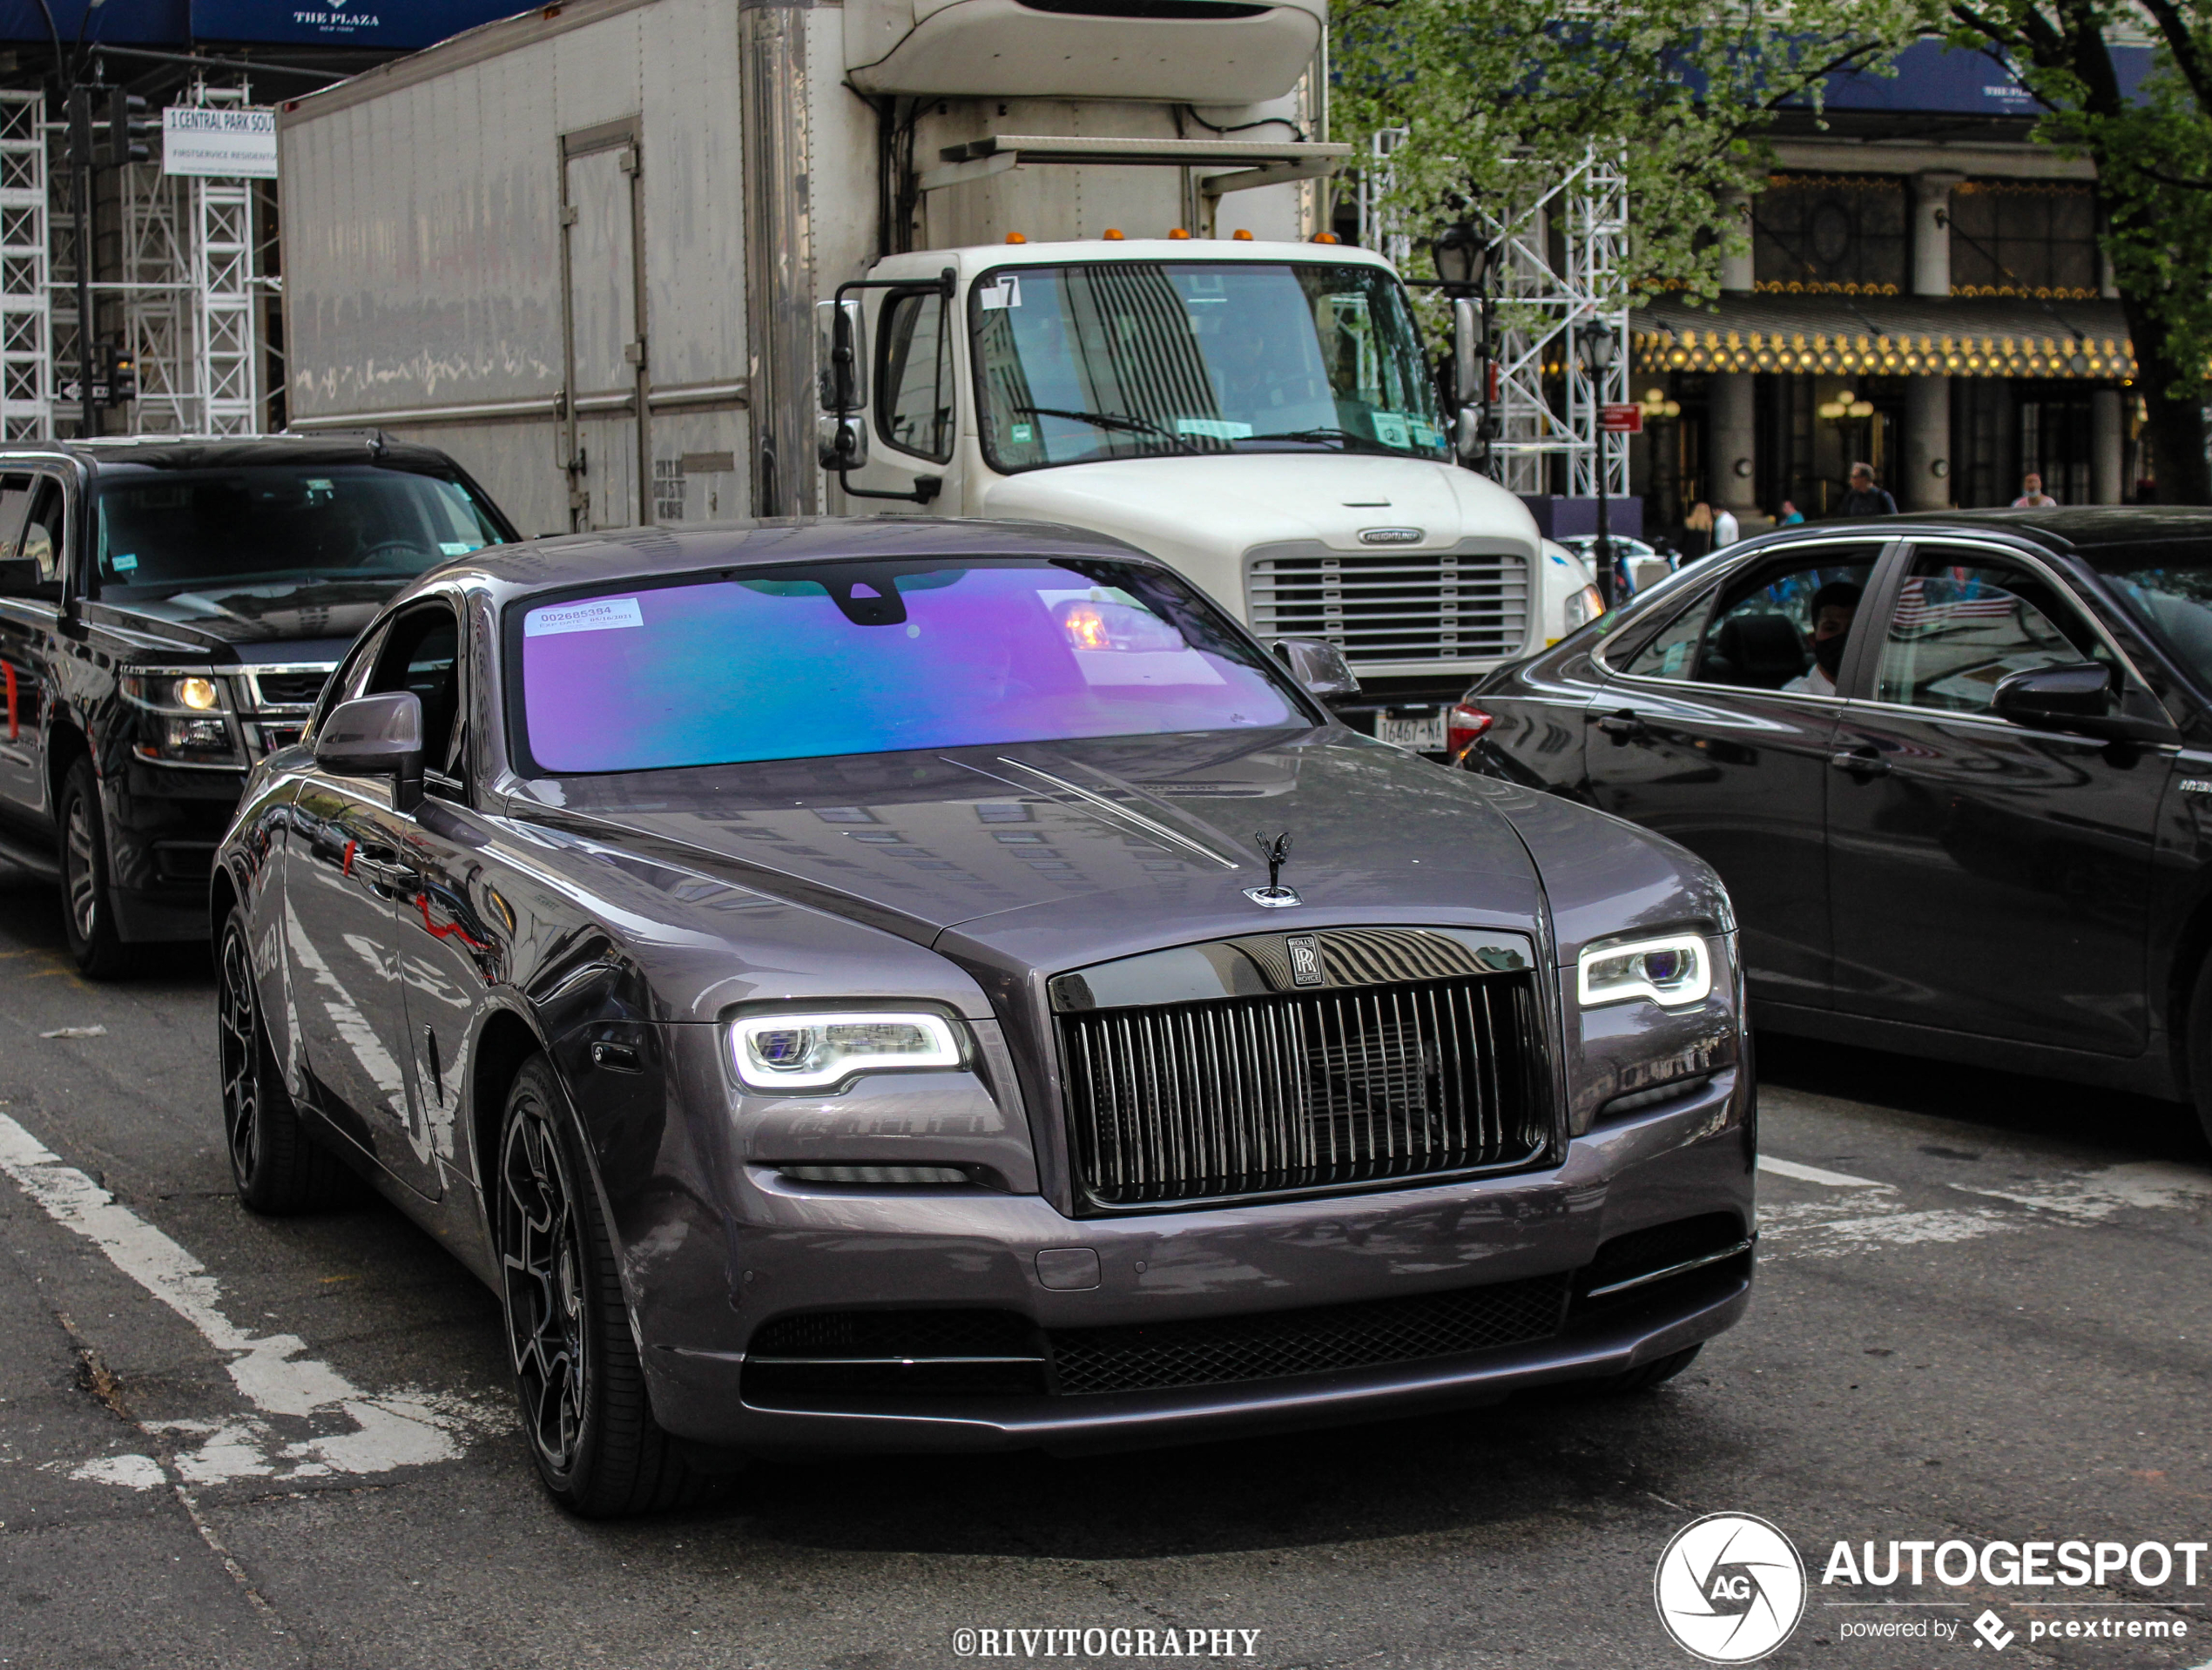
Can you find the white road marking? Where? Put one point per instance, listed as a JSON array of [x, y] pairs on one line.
[[340, 1429], [1815, 1175], [2151, 1184]]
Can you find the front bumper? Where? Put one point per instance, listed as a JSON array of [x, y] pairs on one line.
[[968, 1249]]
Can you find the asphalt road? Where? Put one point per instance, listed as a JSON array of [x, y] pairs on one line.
[[1982, 1314]]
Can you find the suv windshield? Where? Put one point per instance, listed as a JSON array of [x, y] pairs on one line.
[[867, 658], [279, 524], [1132, 359]]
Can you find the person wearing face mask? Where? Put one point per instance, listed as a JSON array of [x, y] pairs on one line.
[[1833, 608]]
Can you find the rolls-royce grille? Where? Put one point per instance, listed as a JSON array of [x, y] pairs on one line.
[[1402, 606], [1302, 1091]]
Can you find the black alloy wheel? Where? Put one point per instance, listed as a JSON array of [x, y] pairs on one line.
[[276, 1167], [592, 1434], [88, 911]]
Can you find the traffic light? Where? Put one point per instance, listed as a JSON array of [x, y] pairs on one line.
[[119, 372], [80, 127], [130, 128]]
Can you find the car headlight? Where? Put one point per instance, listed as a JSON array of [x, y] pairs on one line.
[[809, 1052], [183, 718], [1672, 971]]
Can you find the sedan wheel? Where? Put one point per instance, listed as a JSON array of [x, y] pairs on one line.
[[276, 1167], [598, 1449]]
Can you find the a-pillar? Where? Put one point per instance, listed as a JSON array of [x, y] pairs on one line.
[[2107, 447], [1924, 482]]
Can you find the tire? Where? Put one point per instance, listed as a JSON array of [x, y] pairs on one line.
[[88, 909], [279, 1169], [591, 1428], [1652, 1374]]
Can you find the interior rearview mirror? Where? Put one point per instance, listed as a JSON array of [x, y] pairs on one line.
[[376, 735], [841, 356], [1317, 665]]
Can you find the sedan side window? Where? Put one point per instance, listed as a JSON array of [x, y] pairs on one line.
[[1965, 619], [1671, 653], [915, 376], [423, 654], [1785, 625]]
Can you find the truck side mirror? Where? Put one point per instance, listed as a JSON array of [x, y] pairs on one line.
[[841, 440], [1467, 353], [1318, 665], [841, 352], [376, 735]]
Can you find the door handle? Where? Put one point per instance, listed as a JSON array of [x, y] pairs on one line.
[[1860, 762], [1620, 726]]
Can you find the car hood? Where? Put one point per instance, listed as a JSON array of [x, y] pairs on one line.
[[230, 614], [1058, 855]]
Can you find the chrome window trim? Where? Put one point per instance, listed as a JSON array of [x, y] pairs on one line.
[[1779, 548]]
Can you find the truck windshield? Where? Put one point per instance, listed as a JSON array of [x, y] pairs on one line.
[[1132, 359], [871, 658], [176, 531]]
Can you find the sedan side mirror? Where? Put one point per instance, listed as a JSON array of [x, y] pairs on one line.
[[376, 735], [2077, 697], [1318, 665]]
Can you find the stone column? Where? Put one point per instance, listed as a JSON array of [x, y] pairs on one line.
[[1737, 270], [2107, 447], [1732, 444], [1923, 481]]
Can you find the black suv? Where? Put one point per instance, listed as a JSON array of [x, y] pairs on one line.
[[169, 610]]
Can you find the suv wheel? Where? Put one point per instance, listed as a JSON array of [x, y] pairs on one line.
[[88, 911]]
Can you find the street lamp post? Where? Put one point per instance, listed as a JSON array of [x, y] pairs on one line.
[[1596, 342], [1464, 261]]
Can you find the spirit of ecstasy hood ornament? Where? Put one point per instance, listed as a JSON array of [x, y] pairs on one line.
[[1274, 896]]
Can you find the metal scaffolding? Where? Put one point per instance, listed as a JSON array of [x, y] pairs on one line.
[[1561, 248], [26, 312]]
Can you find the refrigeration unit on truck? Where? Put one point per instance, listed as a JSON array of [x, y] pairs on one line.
[[650, 261]]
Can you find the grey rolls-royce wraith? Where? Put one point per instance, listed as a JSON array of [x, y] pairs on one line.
[[925, 985]]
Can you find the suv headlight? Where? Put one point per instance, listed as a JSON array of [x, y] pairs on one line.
[[1673, 971], [183, 718], [812, 1052]]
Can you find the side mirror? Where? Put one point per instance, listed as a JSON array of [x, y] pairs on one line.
[[841, 354], [841, 440], [2077, 697], [1467, 358], [1318, 665], [376, 735]]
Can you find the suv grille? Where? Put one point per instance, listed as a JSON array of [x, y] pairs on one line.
[[1299, 1091], [290, 690], [1418, 607]]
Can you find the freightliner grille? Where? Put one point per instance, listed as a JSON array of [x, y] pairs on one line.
[[1297, 1091], [1391, 606]]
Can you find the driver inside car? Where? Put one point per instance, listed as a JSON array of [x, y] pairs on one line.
[[1834, 607]]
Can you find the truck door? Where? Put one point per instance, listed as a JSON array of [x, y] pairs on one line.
[[603, 303], [911, 394]]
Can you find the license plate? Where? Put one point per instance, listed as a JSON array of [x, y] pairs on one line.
[[1423, 735]]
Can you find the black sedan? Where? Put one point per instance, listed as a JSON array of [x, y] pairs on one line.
[[823, 976], [1956, 773]]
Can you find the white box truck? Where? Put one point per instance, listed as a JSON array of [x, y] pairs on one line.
[[1050, 260]]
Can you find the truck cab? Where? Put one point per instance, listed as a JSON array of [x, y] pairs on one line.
[[1260, 414]]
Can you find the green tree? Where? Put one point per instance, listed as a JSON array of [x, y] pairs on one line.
[[1491, 94], [2153, 154]]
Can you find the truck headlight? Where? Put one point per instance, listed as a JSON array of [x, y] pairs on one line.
[[1671, 971], [810, 1051]]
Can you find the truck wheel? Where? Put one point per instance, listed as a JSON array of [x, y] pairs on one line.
[[87, 913], [278, 1168], [592, 1434]]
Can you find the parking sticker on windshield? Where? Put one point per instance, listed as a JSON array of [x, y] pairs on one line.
[[600, 614], [1007, 292], [124, 563]]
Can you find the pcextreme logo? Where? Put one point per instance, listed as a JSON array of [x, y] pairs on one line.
[[1730, 1588]]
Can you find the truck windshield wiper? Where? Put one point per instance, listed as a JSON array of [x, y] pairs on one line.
[[1112, 421], [1347, 436]]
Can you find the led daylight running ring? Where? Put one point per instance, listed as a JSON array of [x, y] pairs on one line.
[[1639, 978], [823, 1060]]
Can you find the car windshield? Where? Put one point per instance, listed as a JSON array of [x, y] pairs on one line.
[[1133, 360], [868, 658], [184, 530], [2169, 586]]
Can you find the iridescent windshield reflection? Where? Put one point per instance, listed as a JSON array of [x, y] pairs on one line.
[[861, 659]]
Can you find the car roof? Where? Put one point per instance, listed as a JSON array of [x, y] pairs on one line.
[[613, 555], [2076, 527], [127, 452]]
